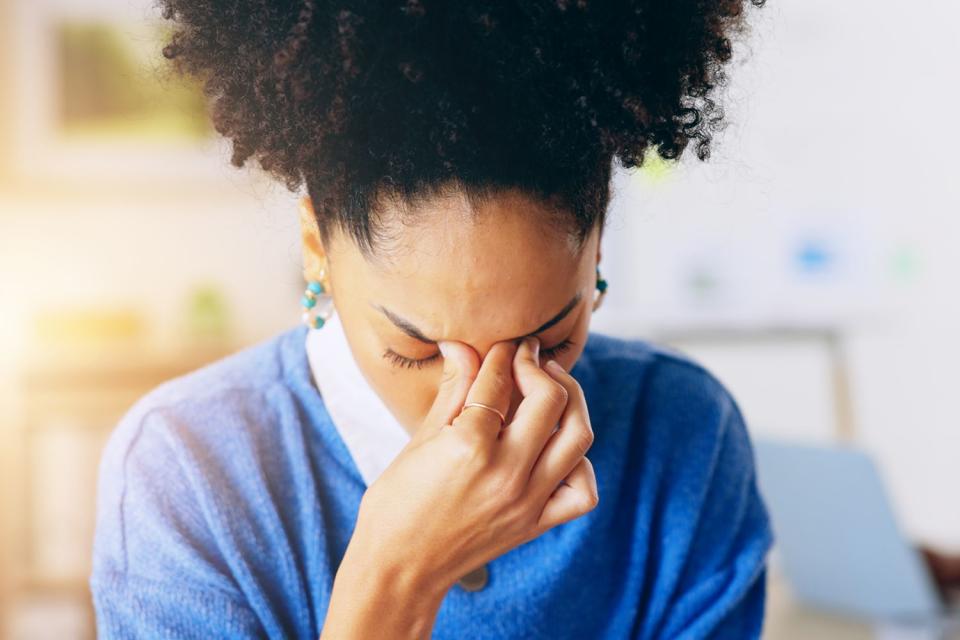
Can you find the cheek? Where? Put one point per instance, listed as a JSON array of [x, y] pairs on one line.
[[408, 394]]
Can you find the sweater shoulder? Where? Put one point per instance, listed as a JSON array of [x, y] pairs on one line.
[[617, 361], [240, 396], [650, 393]]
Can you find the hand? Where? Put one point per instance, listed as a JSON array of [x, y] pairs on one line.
[[463, 492]]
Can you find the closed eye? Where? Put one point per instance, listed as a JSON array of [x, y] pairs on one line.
[[408, 363]]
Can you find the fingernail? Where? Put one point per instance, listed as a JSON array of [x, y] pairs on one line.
[[444, 348], [555, 366]]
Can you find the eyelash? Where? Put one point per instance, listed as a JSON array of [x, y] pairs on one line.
[[402, 361]]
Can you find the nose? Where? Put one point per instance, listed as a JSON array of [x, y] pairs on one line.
[[482, 353]]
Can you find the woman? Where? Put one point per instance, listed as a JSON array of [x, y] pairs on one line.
[[413, 462]]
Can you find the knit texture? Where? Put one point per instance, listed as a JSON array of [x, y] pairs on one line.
[[226, 500]]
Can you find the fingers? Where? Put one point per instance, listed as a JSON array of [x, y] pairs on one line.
[[542, 406], [493, 386], [573, 498], [566, 448], [460, 367]]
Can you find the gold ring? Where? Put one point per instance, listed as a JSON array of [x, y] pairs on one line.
[[503, 418]]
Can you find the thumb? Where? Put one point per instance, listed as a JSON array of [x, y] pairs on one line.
[[460, 368]]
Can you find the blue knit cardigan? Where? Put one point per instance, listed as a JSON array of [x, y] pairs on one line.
[[226, 499]]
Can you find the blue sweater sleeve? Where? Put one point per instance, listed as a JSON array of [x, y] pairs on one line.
[[711, 584], [156, 572]]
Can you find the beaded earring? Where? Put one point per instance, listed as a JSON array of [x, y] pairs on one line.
[[317, 308], [601, 291]]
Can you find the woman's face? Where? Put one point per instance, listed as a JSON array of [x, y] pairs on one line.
[[499, 275]]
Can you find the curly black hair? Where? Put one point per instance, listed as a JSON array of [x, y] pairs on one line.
[[369, 102]]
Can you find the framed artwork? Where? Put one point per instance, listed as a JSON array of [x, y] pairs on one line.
[[94, 102]]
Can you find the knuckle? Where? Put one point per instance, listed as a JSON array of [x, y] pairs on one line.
[[584, 441], [501, 381], [555, 393], [577, 391], [589, 501], [461, 447], [467, 449]]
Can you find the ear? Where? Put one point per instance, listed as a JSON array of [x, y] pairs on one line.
[[314, 253]]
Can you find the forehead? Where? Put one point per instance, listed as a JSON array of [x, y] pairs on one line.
[[458, 273]]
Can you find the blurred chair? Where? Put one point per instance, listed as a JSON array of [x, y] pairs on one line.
[[839, 541]]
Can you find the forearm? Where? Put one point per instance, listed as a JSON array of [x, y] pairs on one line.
[[372, 598]]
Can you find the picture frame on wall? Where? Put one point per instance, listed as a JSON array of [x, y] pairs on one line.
[[94, 103]]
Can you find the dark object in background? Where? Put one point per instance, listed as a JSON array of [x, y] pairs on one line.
[[946, 571]]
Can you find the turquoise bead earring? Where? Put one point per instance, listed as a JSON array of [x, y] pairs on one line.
[[601, 291], [317, 303]]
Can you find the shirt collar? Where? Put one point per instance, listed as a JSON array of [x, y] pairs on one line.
[[372, 434]]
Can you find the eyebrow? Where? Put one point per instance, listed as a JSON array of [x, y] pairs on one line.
[[412, 331]]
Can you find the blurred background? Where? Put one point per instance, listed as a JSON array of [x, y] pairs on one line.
[[811, 264]]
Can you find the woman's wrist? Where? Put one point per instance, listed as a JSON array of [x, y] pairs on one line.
[[375, 596]]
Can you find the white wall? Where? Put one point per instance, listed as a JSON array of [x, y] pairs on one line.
[[842, 123]]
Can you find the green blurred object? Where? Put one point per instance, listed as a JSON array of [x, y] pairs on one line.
[[655, 169], [207, 314], [703, 284], [905, 264]]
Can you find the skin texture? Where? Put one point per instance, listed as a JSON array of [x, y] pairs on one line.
[[477, 278]]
